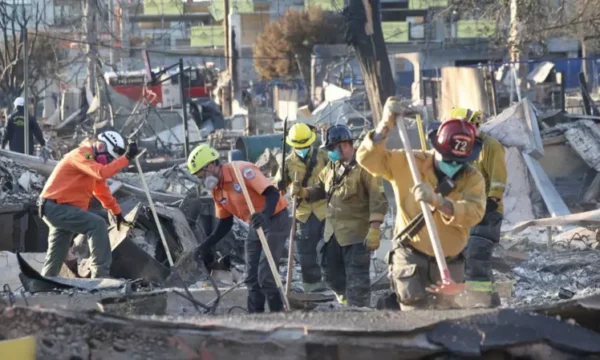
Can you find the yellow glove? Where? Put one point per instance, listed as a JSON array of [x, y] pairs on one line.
[[296, 190], [391, 110], [372, 240], [424, 192]]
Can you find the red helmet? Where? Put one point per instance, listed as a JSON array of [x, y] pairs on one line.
[[455, 140]]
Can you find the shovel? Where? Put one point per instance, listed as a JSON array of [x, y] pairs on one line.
[[447, 286], [263, 239]]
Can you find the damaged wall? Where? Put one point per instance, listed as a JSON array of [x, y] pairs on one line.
[[517, 201], [462, 87]]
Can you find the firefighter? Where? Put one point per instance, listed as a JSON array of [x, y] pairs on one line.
[[356, 206], [305, 163], [66, 197], [485, 235], [271, 215], [452, 187], [14, 134]]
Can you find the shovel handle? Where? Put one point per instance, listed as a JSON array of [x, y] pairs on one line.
[[262, 237], [431, 228], [152, 208]]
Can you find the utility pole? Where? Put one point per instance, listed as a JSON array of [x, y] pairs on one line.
[[226, 95], [518, 51], [92, 41], [111, 32], [369, 45], [186, 135], [25, 79], [235, 23]]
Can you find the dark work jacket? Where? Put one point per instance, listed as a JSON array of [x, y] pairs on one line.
[[15, 132]]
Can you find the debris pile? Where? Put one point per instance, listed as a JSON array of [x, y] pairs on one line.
[[270, 161], [18, 184], [175, 179], [547, 276]]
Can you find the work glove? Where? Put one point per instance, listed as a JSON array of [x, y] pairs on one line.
[[120, 220], [259, 220], [205, 254], [296, 190], [372, 240], [281, 186], [491, 205], [132, 150], [424, 192], [393, 108]]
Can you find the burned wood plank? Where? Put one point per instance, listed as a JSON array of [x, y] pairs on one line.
[[365, 34]]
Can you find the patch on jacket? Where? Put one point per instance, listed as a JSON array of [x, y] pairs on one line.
[[89, 157]]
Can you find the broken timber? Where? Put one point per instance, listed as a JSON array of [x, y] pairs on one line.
[[371, 51], [555, 204], [579, 219]]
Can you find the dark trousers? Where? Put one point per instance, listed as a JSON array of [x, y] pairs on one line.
[[308, 236], [346, 270], [484, 236], [64, 221], [259, 279]]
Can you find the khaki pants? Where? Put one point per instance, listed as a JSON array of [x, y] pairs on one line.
[[410, 272]]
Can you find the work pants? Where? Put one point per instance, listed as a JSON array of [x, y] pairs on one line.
[[478, 254], [64, 221], [346, 270], [308, 236], [411, 272], [259, 280]]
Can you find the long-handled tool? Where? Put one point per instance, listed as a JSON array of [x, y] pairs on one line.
[[290, 265], [263, 239], [447, 286], [152, 208], [188, 296]]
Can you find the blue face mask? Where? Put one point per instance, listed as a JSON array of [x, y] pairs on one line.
[[302, 152], [334, 155], [450, 169]]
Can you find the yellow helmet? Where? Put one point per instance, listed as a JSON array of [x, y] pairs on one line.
[[300, 136], [473, 117], [200, 157]]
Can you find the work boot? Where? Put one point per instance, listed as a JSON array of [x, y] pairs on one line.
[[388, 301], [275, 302], [256, 302]]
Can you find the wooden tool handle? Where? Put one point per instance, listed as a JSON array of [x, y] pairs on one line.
[[262, 237], [431, 228]]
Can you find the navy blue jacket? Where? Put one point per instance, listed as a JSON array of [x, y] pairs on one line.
[[15, 132]]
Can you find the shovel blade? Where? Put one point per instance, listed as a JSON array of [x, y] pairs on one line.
[[447, 287]]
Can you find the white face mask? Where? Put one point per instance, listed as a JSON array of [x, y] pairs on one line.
[[211, 182]]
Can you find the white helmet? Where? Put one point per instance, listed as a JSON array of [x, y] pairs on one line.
[[19, 102], [115, 144]]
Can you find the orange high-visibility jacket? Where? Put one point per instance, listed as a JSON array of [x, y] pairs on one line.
[[78, 176]]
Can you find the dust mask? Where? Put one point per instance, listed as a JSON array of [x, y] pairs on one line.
[[302, 152], [449, 168], [210, 182], [334, 155]]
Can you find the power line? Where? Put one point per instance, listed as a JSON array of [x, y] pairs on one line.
[[101, 44]]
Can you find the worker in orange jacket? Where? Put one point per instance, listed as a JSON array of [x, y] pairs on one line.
[[270, 214], [66, 197]]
